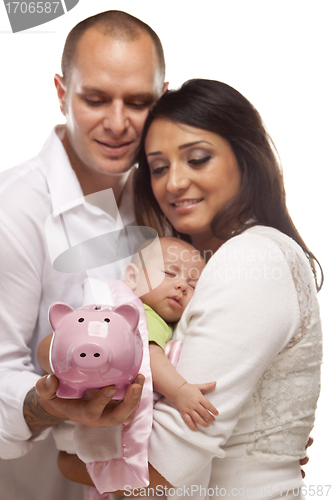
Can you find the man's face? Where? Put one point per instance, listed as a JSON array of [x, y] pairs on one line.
[[111, 87]]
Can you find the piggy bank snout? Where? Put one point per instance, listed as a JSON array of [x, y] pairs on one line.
[[90, 356]]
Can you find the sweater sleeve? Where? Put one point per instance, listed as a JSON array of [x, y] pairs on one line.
[[243, 313]]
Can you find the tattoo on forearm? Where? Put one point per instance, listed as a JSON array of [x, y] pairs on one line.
[[35, 416]]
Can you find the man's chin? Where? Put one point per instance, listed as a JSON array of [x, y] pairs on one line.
[[114, 166]]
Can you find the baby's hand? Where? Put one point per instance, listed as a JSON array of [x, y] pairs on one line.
[[193, 406]]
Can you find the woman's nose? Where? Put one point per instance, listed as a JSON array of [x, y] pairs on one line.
[[177, 179], [116, 119]]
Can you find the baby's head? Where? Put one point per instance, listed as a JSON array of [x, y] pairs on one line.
[[182, 268]]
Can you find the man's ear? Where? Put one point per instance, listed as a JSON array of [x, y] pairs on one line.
[[59, 83], [165, 87], [131, 275]]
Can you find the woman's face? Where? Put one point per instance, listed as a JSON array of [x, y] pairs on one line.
[[194, 173]]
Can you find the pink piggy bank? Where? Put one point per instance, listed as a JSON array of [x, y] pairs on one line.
[[93, 347]]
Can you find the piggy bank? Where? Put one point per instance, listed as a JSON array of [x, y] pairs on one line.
[[93, 347]]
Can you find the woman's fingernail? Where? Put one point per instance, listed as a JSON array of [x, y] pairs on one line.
[[136, 393]]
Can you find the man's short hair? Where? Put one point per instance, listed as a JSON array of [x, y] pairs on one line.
[[114, 23]]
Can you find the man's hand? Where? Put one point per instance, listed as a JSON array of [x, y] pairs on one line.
[[43, 354], [42, 408]]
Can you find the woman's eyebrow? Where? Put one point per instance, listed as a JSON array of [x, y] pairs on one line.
[[189, 144], [154, 153], [183, 146]]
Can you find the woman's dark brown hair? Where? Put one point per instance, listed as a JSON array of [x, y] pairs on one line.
[[219, 108]]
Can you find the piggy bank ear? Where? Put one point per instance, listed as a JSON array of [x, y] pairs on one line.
[[130, 313], [57, 312]]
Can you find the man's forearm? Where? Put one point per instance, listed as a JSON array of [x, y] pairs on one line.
[[37, 413]]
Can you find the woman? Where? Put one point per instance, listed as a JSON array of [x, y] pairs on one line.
[[208, 174]]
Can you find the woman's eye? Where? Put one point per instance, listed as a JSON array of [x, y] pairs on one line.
[[199, 161], [158, 170]]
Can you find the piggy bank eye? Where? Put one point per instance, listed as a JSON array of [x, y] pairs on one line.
[[107, 320], [80, 320]]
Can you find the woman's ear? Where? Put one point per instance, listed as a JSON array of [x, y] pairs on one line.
[[131, 276]]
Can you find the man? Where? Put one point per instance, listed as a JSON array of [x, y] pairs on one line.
[[113, 72]]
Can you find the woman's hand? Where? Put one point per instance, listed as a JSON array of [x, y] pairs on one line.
[[305, 460]]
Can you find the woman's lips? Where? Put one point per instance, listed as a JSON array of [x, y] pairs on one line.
[[115, 149], [185, 205]]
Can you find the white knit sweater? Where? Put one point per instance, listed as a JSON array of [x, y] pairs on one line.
[[253, 326]]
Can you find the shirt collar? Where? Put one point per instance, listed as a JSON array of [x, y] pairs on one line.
[[126, 208], [64, 187]]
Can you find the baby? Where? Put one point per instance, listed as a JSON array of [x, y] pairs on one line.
[[164, 305]]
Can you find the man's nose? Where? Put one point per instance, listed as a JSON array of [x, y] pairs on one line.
[[116, 119], [178, 179]]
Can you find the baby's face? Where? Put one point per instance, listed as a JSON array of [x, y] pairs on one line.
[[182, 268]]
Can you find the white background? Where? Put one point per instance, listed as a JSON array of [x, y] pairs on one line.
[[278, 53]]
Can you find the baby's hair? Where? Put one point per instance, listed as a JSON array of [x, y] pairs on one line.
[[137, 258]]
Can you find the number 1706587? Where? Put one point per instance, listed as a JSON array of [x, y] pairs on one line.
[[32, 7]]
